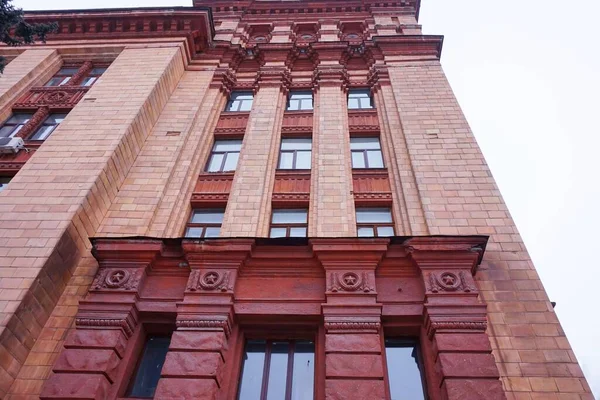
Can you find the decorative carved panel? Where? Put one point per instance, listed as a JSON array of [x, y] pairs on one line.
[[363, 121], [291, 187], [59, 97], [212, 188], [297, 122], [232, 123], [372, 187]]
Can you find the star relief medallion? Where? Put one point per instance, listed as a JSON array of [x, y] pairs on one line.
[[117, 278]]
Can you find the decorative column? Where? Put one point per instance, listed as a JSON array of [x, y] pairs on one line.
[[455, 318], [78, 76], [34, 122], [195, 360], [353, 350], [332, 202], [87, 368]]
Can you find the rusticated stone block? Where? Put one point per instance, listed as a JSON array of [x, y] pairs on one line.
[[192, 364], [354, 389], [196, 341], [473, 389], [467, 365], [76, 386], [173, 388], [84, 360], [341, 343], [354, 365], [98, 339], [477, 342]]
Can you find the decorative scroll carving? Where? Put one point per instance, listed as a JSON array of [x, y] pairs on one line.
[[448, 282], [116, 278], [55, 97], [205, 324], [109, 323], [350, 282], [352, 326], [210, 280]]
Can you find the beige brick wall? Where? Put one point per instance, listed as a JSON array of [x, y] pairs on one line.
[[60, 197], [460, 197]]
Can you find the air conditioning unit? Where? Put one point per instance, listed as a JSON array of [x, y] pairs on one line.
[[11, 145]]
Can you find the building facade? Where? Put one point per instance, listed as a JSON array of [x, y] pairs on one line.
[[258, 200]]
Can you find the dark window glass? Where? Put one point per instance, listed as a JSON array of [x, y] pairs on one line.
[[4, 180], [224, 156], [205, 223], [366, 152], [278, 370], [14, 124], [148, 370], [359, 99], [240, 101], [374, 222], [289, 223], [62, 77], [404, 369], [92, 76], [295, 154], [48, 126], [300, 101]]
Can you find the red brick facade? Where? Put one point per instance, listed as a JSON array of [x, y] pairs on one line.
[[92, 259]]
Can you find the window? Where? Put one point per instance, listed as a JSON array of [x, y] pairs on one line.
[[48, 126], [148, 370], [374, 222], [62, 77], [92, 76], [240, 101], [205, 223], [300, 101], [224, 156], [404, 369], [359, 99], [295, 154], [14, 124], [278, 370], [4, 180], [366, 152], [289, 223]]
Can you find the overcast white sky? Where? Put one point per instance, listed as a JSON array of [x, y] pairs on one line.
[[527, 74]]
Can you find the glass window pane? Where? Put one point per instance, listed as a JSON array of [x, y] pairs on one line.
[[375, 159], [291, 216], [404, 374], [212, 231], [233, 105], [193, 232], [303, 160], [98, 71], [88, 81], [293, 105], [246, 105], [231, 161], [278, 371], [365, 232], [365, 143], [19, 118], [366, 103], [55, 119], [227, 145], [384, 231], [252, 370], [6, 131], [64, 81], [278, 232], [67, 71], [54, 81], [303, 380], [207, 216], [286, 160], [214, 164], [373, 215], [296, 144], [306, 104], [43, 132], [151, 363], [352, 103], [297, 232], [358, 159]]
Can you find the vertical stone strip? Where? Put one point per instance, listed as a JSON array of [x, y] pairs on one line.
[[32, 67], [460, 197], [61, 195], [249, 208], [354, 365], [331, 200]]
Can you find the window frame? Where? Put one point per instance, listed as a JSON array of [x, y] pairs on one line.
[[269, 339], [64, 76], [232, 99], [294, 155], [203, 225], [225, 155], [358, 91], [420, 360], [365, 153], [300, 101], [17, 127], [375, 225], [44, 124], [288, 225], [91, 74]]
